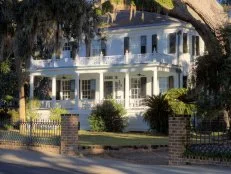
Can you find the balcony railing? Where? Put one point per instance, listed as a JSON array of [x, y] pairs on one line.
[[105, 60]]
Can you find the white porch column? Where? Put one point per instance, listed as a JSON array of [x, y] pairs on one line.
[[31, 86], [54, 91], [77, 91], [101, 87], [155, 84], [127, 91]]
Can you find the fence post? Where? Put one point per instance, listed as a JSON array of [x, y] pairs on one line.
[[179, 131], [69, 134]]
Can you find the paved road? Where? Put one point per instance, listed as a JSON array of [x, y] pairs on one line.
[[7, 168], [21, 161]]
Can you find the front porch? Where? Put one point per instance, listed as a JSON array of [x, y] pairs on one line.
[[83, 91]]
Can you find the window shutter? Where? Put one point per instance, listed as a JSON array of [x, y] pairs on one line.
[[58, 89], [170, 82], [93, 88], [143, 81]]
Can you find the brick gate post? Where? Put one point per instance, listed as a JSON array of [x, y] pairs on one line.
[[178, 136], [69, 134]]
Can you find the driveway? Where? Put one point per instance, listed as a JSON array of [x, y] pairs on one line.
[[22, 161]]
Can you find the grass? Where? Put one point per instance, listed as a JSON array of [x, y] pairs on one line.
[[88, 138]]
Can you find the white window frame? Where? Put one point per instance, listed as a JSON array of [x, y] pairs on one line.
[[135, 87], [66, 89], [86, 88]]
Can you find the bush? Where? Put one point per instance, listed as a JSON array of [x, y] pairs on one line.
[[156, 116], [55, 114], [108, 117], [9, 114], [31, 109]]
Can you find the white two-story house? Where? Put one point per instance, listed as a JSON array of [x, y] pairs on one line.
[[144, 56]]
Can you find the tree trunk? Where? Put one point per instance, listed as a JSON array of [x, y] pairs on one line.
[[22, 97]]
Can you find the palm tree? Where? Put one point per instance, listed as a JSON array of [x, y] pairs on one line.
[[158, 113]]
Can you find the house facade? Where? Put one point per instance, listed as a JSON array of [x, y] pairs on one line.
[[138, 57]]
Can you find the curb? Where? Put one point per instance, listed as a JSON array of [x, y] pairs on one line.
[[98, 149]]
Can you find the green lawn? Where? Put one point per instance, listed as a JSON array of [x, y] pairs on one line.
[[120, 139]]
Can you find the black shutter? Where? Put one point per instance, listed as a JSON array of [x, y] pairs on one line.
[[93, 88], [79, 89], [124, 88], [126, 44], [143, 81], [170, 82], [58, 82]]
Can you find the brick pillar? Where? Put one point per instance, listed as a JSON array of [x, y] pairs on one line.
[[69, 134], [178, 136]]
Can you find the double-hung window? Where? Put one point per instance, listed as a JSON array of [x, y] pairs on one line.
[[88, 89], [138, 87], [66, 89], [67, 50]]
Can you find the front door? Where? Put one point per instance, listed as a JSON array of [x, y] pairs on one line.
[[108, 89]]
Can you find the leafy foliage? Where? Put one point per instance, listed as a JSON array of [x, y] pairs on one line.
[[107, 7], [31, 109], [9, 114], [55, 113], [168, 4], [158, 113], [108, 117], [178, 106]]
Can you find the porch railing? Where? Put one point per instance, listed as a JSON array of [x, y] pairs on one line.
[[137, 103], [47, 104], [87, 104], [105, 60]]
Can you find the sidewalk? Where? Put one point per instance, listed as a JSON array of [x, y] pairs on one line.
[[96, 164]]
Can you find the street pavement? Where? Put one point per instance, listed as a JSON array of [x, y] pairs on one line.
[[29, 162]]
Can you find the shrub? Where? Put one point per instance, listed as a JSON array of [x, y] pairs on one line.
[[178, 106], [108, 117], [55, 114], [31, 109], [156, 116], [9, 114]]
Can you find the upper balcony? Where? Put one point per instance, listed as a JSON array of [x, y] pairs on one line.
[[100, 60]]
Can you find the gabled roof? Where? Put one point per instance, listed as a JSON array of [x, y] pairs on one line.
[[149, 19]]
